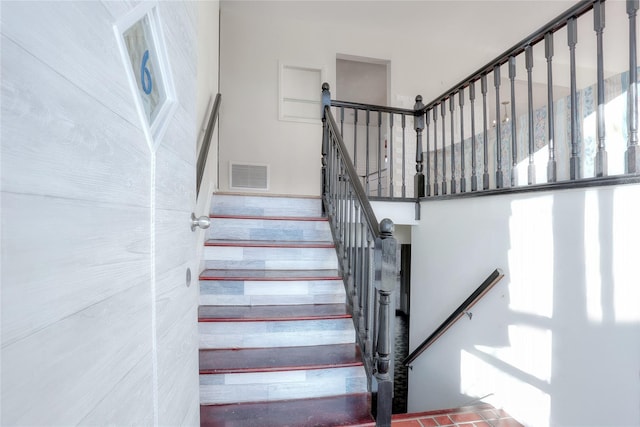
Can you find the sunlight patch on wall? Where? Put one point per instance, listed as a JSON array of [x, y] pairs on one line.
[[526, 403], [615, 136], [531, 257], [626, 234], [593, 275], [540, 159], [529, 351]]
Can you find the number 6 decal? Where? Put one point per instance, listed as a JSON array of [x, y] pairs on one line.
[[145, 74]]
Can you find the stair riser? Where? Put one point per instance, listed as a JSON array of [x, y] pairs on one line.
[[249, 229], [214, 292], [238, 258], [265, 206], [275, 333], [267, 386]]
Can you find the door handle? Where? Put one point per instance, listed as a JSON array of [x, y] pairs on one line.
[[203, 222]]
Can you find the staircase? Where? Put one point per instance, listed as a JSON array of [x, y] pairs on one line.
[[277, 342]]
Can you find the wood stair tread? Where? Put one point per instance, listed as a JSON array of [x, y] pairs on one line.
[[343, 410], [269, 275], [269, 218], [219, 313], [279, 359], [269, 243]]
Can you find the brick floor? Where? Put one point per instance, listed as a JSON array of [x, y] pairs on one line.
[[471, 416]]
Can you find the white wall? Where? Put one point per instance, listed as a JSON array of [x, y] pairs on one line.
[[98, 326], [426, 57], [557, 341]]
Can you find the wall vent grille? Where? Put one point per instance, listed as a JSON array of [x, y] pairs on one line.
[[249, 176]]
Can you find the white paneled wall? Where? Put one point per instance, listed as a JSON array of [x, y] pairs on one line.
[[98, 325]]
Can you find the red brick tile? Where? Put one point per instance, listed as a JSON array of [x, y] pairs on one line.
[[465, 425], [428, 422], [482, 424], [406, 423], [443, 420], [466, 417]]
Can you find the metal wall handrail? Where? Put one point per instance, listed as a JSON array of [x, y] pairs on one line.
[[206, 142], [481, 291]]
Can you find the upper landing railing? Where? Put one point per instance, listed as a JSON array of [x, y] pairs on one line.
[[558, 109]]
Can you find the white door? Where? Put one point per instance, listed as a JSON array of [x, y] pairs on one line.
[[98, 324]]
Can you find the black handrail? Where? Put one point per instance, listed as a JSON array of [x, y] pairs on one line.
[[462, 309], [206, 142], [371, 107]]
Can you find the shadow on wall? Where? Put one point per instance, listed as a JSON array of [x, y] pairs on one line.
[[558, 341]]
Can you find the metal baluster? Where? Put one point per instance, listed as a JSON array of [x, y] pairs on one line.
[[426, 132], [349, 230], [514, 140], [499, 174], [474, 166], [363, 278], [453, 147], [379, 153], [362, 324], [342, 121], [355, 139], [341, 198], [601, 162], [531, 169], [371, 296], [390, 158], [551, 164], [418, 124], [574, 161], [366, 176], [332, 178], [444, 149], [485, 143], [357, 221], [436, 189], [343, 202], [633, 152], [404, 158], [463, 178]]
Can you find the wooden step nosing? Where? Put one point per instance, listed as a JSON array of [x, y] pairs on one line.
[[223, 371], [268, 244], [273, 319], [269, 279], [269, 218]]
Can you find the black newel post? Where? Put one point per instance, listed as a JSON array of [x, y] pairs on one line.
[[388, 280], [418, 182], [326, 102]]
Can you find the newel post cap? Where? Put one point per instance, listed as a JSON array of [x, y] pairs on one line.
[[386, 228]]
